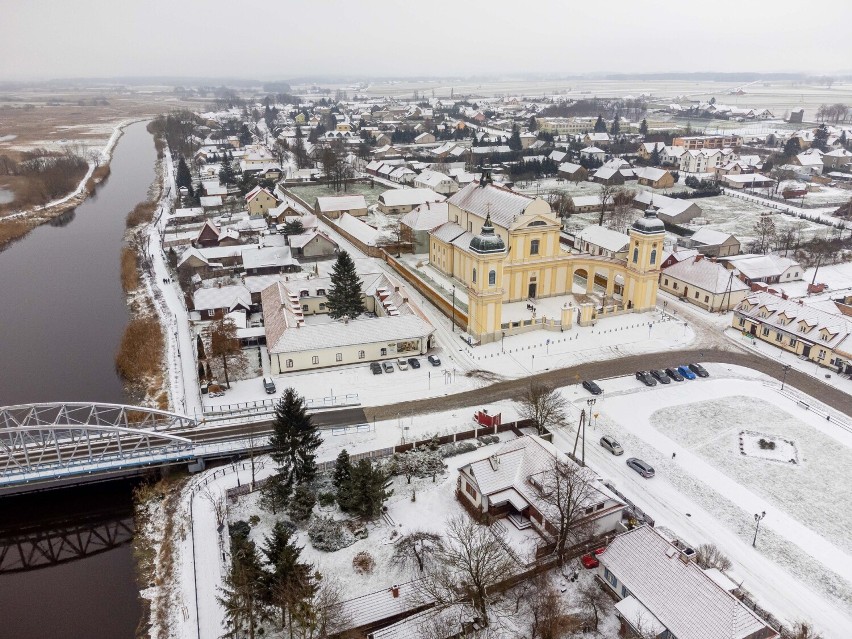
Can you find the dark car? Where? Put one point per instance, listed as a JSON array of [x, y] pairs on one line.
[[699, 370], [674, 374], [376, 368], [433, 359], [643, 468], [388, 366], [593, 388], [661, 376], [686, 372], [414, 362], [268, 385], [646, 378]]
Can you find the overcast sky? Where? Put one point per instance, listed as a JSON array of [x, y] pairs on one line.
[[283, 39]]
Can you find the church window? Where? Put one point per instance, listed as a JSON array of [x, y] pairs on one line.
[[635, 255], [492, 278]]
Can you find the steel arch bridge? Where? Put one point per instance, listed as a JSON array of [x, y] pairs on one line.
[[49, 441]]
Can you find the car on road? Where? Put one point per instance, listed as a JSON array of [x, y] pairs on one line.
[[376, 368], [660, 376], [686, 372], [611, 445], [402, 364], [646, 378], [641, 467], [674, 374], [388, 367], [268, 385], [414, 362], [699, 370], [593, 388], [433, 359]]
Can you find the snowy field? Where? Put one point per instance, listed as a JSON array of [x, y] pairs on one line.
[[706, 491]]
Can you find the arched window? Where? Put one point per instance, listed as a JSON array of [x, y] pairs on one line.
[[654, 257], [635, 255], [492, 278], [474, 276]]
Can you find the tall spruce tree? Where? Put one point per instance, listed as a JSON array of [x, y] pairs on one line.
[[820, 138], [226, 173], [368, 489], [183, 177], [342, 469], [615, 128], [242, 591], [287, 581], [643, 127], [600, 125], [344, 296], [515, 140], [294, 439]]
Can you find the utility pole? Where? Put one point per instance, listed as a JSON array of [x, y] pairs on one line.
[[757, 520]]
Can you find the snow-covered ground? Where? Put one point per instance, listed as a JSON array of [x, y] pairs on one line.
[[706, 491]]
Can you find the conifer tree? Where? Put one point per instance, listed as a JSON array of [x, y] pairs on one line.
[[183, 177], [301, 503], [615, 128], [643, 127], [532, 125], [294, 440], [226, 173], [242, 593], [600, 125], [287, 581], [344, 296], [655, 155], [820, 138], [342, 469], [368, 489], [515, 140]]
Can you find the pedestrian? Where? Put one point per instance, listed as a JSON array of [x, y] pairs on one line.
[[674, 455]]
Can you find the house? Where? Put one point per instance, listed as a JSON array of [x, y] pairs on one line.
[[425, 138], [207, 236], [654, 177], [669, 209], [558, 156], [437, 181], [572, 172], [212, 187], [287, 208], [260, 201], [646, 150], [586, 203], [662, 592], [269, 260], [677, 254], [598, 240], [837, 159], [404, 200], [701, 160], [712, 243], [748, 180], [766, 269], [708, 141], [210, 201], [382, 139], [509, 484], [600, 139], [809, 332], [420, 222], [313, 244], [334, 206], [215, 303], [399, 330], [705, 283], [608, 176], [593, 153], [811, 160], [527, 139], [671, 155]]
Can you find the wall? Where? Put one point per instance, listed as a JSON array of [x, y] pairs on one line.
[[435, 298]]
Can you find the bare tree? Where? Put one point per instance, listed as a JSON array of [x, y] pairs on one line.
[[544, 405], [217, 505], [321, 615], [225, 344], [561, 203], [415, 548], [594, 600], [606, 194], [567, 490], [764, 228], [801, 630], [545, 612], [470, 563], [622, 202], [709, 556]]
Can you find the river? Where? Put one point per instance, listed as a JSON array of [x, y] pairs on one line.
[[62, 315]]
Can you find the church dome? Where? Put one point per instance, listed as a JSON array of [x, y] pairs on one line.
[[487, 241], [650, 223]]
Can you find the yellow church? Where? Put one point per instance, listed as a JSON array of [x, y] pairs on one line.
[[504, 247]]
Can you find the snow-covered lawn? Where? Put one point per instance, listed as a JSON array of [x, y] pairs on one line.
[[706, 491], [763, 446]]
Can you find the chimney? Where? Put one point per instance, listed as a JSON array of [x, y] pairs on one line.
[[698, 258], [395, 591]]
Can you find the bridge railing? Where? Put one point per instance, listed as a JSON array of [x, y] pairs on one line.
[[268, 405]]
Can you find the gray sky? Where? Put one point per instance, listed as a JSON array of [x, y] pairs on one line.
[[284, 39]]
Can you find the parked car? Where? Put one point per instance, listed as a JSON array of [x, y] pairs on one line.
[[611, 445], [593, 388], [402, 364], [433, 359], [674, 374], [414, 362], [661, 376], [269, 385], [591, 559], [646, 378], [643, 468], [699, 370], [388, 367], [376, 368], [686, 372]]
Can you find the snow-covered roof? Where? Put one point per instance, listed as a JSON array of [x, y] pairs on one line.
[[410, 197], [210, 200], [592, 149], [586, 200], [503, 205], [382, 604], [360, 230], [688, 603], [426, 218], [268, 256], [341, 203], [757, 267], [705, 274], [650, 173], [605, 238], [569, 167], [299, 241], [448, 232], [709, 237], [221, 297], [432, 179]]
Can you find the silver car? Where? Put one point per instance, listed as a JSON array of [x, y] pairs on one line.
[[611, 445]]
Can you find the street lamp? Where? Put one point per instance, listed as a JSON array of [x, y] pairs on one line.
[[757, 520], [783, 381], [502, 340], [454, 309]]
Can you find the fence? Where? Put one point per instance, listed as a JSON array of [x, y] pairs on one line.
[[427, 291], [267, 405]]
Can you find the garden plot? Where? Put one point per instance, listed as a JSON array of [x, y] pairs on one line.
[[310, 192], [763, 446]]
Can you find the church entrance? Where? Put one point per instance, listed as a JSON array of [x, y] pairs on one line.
[[532, 291]]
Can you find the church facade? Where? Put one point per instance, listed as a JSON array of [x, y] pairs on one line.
[[504, 247]]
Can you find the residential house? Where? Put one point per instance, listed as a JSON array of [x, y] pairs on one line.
[[572, 172], [600, 139], [287, 208], [677, 254], [694, 142], [558, 156], [837, 159], [593, 153], [420, 222], [705, 283], [712, 243], [313, 244], [425, 138], [260, 201], [214, 303], [747, 181], [269, 260], [671, 155], [586, 203], [765, 269], [809, 332], [510, 483], [646, 150], [333, 206], [207, 236], [404, 200], [811, 160], [436, 181], [654, 177], [662, 592], [608, 176], [669, 209], [599, 240]]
